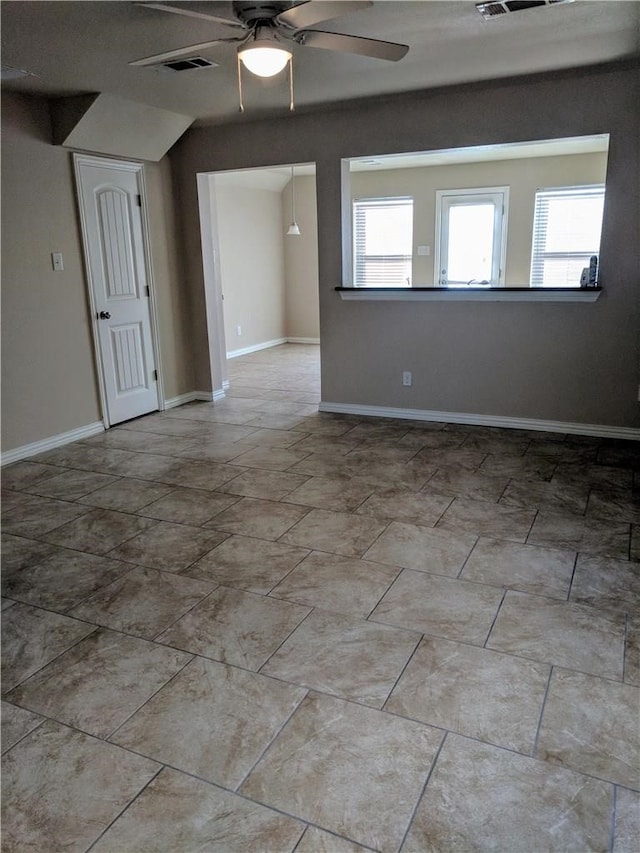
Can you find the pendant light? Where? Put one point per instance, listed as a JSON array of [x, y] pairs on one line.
[[294, 230]]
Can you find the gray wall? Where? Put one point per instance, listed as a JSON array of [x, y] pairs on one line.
[[560, 362], [49, 383]]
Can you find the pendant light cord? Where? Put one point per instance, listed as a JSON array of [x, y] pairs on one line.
[[240, 83], [293, 194], [291, 106]]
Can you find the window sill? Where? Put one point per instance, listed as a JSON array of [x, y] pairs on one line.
[[469, 294]]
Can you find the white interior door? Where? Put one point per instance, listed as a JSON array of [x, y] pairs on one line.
[[110, 205]]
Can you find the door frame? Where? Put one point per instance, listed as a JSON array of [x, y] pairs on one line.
[[212, 272], [137, 168]]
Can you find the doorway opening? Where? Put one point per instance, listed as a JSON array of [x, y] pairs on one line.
[[261, 283]]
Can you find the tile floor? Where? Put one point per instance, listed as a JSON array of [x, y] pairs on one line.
[[252, 627]]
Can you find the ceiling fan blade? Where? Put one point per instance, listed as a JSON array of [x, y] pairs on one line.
[[182, 51], [375, 48], [183, 9], [310, 13]]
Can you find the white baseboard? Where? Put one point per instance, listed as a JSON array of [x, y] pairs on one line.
[[598, 430], [54, 441], [267, 344], [180, 400], [191, 397], [256, 347]]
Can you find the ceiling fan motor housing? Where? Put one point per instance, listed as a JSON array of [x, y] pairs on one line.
[[251, 12]]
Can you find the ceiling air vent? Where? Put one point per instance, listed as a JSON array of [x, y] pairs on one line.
[[186, 64], [495, 8]]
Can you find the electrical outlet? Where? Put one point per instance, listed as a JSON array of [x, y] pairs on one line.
[[238, 331], [406, 378]]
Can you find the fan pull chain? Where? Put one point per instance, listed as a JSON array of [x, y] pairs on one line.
[[240, 83], [291, 106]]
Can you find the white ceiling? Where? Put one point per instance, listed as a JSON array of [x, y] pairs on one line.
[[79, 47]]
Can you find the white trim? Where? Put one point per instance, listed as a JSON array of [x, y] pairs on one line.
[[599, 430], [180, 400], [192, 397], [275, 343], [52, 442], [494, 294], [256, 347], [151, 285], [216, 395]]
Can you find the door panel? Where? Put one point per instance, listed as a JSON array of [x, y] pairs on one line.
[[112, 227], [114, 231], [127, 356]]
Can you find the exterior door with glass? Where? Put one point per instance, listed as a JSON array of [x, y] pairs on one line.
[[471, 237]]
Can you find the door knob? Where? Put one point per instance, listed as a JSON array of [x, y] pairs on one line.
[[104, 315]]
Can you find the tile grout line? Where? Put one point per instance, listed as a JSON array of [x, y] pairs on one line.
[[534, 749], [108, 738], [423, 791], [624, 647], [90, 633], [614, 808], [458, 576], [419, 642], [272, 740], [174, 622], [573, 574], [275, 651], [124, 809], [495, 619]]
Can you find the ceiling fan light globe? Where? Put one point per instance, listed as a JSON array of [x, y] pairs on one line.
[[264, 60]]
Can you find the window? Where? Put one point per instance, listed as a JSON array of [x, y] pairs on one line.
[[471, 237], [566, 233], [383, 242]]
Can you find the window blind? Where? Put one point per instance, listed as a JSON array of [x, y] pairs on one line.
[[383, 242], [566, 233]]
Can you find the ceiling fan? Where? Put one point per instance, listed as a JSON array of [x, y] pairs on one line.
[[264, 28]]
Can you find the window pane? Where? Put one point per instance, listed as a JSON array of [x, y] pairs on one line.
[[566, 233], [574, 224], [383, 242], [470, 254], [388, 230], [563, 272]]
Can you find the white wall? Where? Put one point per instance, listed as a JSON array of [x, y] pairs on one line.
[[301, 261], [249, 223], [269, 279]]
